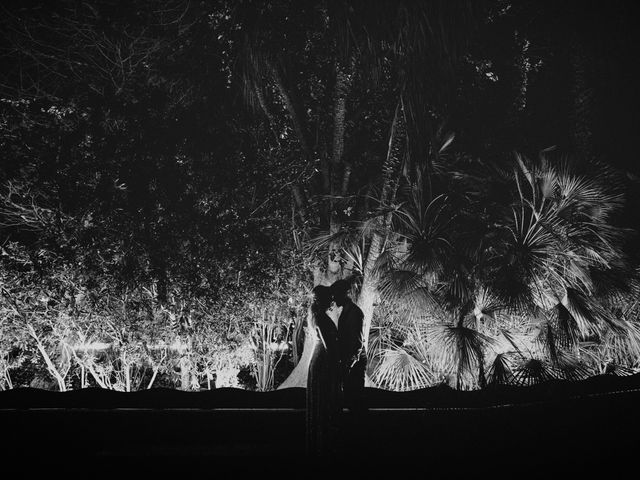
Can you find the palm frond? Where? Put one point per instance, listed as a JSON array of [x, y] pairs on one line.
[[501, 370], [411, 290], [512, 288], [589, 315], [389, 327], [533, 372], [624, 346], [621, 370], [355, 255], [400, 371], [568, 329], [511, 339], [343, 239], [486, 304], [547, 183], [572, 367], [425, 228], [459, 347]]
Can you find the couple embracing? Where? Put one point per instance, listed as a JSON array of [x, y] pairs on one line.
[[337, 368]]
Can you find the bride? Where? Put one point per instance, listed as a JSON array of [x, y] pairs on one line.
[[323, 395]]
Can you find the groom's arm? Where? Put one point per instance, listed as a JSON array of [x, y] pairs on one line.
[[356, 346]]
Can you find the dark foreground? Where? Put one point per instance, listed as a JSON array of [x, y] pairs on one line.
[[593, 421]]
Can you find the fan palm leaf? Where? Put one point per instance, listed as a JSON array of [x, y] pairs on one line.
[[425, 228], [513, 342], [590, 316], [623, 347], [572, 367], [564, 331], [460, 348], [548, 183], [486, 305], [389, 328], [501, 370], [354, 254], [398, 370], [534, 371]]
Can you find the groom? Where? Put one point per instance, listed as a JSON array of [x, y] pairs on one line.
[[353, 359]]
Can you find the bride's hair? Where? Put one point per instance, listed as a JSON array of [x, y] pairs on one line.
[[340, 290], [321, 299]]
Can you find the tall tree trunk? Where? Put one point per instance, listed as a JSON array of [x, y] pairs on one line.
[[341, 89], [50, 365], [153, 378], [395, 153], [127, 377], [290, 104], [289, 101], [185, 373], [7, 378], [298, 199], [337, 180], [267, 111], [368, 292], [298, 338]]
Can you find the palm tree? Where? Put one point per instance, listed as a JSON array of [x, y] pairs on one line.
[[305, 81], [529, 305], [559, 242]]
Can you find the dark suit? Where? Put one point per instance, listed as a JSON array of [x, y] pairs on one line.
[[353, 358]]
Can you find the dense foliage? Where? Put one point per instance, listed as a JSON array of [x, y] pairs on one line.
[[177, 176]]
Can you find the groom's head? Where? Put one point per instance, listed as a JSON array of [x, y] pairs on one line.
[[339, 291]]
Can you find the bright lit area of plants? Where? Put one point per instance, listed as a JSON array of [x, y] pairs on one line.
[[177, 178]]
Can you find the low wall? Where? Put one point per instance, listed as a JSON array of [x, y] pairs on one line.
[[592, 419]]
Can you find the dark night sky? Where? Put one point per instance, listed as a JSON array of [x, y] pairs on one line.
[[609, 32]]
